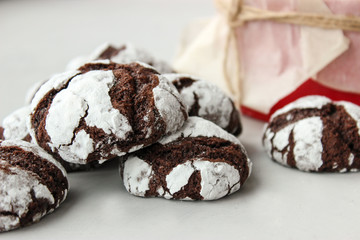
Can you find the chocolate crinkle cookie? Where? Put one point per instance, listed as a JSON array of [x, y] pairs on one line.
[[206, 100], [315, 134], [104, 110], [15, 128], [32, 184], [123, 54], [15, 125], [199, 162]]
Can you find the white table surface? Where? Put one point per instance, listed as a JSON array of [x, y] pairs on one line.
[[38, 38]]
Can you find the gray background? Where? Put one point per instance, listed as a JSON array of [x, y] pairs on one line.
[[38, 38]]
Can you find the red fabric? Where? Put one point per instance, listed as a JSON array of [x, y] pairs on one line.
[[310, 87], [253, 113]]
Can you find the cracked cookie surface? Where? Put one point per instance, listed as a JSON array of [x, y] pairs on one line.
[[315, 134], [32, 184], [104, 110], [15, 128], [14, 125], [199, 162], [122, 54], [206, 100]]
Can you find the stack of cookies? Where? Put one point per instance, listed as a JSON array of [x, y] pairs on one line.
[[173, 135]]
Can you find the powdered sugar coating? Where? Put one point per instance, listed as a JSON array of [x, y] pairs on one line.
[[81, 101], [30, 147], [60, 124], [70, 167], [22, 192], [213, 104], [304, 102], [136, 176], [351, 159], [280, 142], [315, 134], [55, 82], [15, 124], [195, 127], [86, 94], [128, 54], [81, 147], [218, 177], [179, 177], [308, 132], [15, 188], [168, 103], [93, 88]]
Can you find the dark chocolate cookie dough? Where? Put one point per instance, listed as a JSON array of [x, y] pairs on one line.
[[1, 133]]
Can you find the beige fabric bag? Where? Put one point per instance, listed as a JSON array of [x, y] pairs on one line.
[[262, 62]]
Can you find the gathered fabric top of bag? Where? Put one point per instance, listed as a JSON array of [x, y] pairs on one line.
[[264, 51], [237, 13]]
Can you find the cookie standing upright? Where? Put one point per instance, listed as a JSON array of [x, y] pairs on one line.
[[104, 110], [32, 184], [206, 100], [199, 162], [315, 134], [123, 54]]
